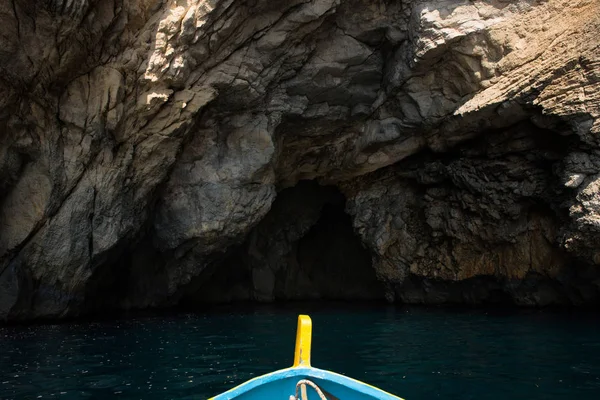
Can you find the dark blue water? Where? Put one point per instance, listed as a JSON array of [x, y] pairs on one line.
[[414, 353]]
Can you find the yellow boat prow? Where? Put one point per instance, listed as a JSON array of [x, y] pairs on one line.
[[303, 382], [303, 342]]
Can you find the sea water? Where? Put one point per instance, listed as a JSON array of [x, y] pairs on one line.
[[415, 353]]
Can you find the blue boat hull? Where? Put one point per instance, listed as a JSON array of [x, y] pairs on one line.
[[282, 384], [304, 382]]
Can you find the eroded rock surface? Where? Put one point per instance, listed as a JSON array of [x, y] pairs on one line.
[[144, 143]]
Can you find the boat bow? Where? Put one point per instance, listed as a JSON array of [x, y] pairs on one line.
[[304, 382]]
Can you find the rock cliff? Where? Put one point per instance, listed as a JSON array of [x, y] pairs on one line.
[[155, 153]]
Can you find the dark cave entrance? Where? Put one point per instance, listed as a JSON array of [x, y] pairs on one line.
[[304, 249], [334, 259]]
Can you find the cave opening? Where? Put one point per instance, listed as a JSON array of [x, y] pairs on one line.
[[334, 259], [304, 249]]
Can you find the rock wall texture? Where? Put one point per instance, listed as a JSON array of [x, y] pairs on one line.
[[155, 153]]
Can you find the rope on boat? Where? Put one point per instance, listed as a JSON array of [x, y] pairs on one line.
[[301, 385]]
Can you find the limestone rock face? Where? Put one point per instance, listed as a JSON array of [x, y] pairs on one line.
[[146, 145]]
